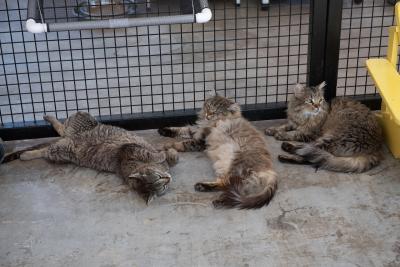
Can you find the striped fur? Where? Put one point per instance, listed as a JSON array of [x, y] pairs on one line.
[[348, 140], [87, 143]]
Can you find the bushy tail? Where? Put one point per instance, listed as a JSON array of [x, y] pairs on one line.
[[15, 155], [234, 195], [325, 160]]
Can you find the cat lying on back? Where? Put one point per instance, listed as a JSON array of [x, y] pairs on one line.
[[345, 136], [87, 143], [238, 150]]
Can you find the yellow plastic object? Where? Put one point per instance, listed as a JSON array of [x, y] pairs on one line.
[[387, 80]]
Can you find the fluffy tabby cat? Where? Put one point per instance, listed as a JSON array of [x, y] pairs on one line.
[[345, 136], [239, 152], [87, 143]]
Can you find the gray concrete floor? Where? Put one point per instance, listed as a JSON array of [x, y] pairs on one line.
[[63, 215]]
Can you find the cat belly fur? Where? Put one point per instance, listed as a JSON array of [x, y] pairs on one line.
[[221, 148]]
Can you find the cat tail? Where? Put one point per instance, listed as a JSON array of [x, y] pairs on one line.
[[16, 155], [325, 160], [235, 196]]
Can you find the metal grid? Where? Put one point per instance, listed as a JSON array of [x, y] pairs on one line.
[[73, 10], [251, 55], [364, 34]]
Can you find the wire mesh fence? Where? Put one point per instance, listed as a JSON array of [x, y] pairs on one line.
[[252, 55], [364, 34], [245, 53]]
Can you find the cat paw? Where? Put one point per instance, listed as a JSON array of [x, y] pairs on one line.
[[26, 156], [168, 146], [200, 187], [172, 156], [280, 136], [48, 118], [270, 131], [288, 147], [166, 132], [285, 159], [218, 204]]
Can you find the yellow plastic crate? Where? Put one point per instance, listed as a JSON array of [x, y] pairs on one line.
[[387, 80]]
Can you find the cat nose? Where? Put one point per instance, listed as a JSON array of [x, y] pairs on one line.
[[167, 177], [167, 180]]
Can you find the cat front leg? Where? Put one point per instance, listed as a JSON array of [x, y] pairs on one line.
[[271, 131], [300, 135], [188, 145], [177, 132], [218, 185], [57, 125], [172, 157]]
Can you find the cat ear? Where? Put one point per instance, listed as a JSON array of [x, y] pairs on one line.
[[210, 93], [321, 86], [299, 90], [234, 108]]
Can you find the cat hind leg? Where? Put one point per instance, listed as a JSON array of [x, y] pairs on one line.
[[294, 159], [290, 147], [213, 186], [34, 154]]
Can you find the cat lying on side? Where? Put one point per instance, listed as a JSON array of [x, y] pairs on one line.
[[239, 151], [87, 143], [345, 136]]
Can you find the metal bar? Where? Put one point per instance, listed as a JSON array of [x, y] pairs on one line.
[[32, 9], [149, 120], [120, 23], [201, 14], [317, 41], [331, 61], [199, 5], [153, 120]]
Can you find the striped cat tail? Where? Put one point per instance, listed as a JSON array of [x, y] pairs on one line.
[[325, 160], [234, 196]]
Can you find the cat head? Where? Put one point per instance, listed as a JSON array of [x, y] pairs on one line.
[[310, 98], [218, 108], [150, 180]]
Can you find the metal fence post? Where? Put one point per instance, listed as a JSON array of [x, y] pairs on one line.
[[334, 22], [317, 41], [324, 44]]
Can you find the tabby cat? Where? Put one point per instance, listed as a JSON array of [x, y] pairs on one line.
[[239, 153], [87, 143], [345, 136]]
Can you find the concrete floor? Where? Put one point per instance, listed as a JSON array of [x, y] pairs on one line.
[[63, 215]]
